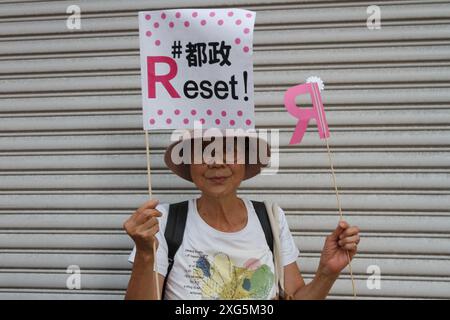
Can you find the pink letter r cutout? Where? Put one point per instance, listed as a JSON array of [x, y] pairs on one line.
[[305, 114]]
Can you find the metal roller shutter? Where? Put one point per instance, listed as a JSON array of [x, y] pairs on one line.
[[72, 152]]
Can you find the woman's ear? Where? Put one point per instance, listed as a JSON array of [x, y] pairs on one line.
[[189, 169]]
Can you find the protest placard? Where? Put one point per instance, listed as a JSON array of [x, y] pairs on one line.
[[196, 65]]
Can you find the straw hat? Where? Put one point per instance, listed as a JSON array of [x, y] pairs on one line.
[[251, 170]]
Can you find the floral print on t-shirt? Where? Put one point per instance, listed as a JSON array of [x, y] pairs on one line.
[[222, 279]]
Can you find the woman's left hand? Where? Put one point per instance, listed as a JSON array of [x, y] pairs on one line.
[[334, 256]]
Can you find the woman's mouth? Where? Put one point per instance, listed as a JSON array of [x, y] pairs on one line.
[[217, 180]]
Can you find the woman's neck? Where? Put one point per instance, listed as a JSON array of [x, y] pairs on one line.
[[225, 213]]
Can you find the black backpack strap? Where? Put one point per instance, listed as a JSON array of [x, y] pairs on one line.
[[263, 217], [176, 223]]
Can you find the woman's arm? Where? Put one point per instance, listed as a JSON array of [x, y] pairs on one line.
[[340, 245], [142, 281], [142, 227], [295, 286]]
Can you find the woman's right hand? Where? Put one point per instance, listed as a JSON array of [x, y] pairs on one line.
[[142, 227]]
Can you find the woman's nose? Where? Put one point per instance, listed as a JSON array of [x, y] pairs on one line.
[[212, 163]]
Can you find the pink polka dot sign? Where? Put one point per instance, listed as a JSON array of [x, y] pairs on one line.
[[197, 67]]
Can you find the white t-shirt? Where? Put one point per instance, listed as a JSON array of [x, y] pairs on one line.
[[211, 264]]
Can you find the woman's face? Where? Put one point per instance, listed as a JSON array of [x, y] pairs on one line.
[[217, 178]]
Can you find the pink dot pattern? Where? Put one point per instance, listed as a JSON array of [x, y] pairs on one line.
[[228, 17], [221, 116]]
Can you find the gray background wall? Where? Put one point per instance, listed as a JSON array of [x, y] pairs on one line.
[[72, 151]]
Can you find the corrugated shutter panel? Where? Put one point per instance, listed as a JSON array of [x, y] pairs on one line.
[[72, 152]]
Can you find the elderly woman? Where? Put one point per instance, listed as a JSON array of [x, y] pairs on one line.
[[224, 252]]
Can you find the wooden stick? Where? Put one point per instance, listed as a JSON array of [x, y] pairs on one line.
[[340, 214], [155, 268]]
